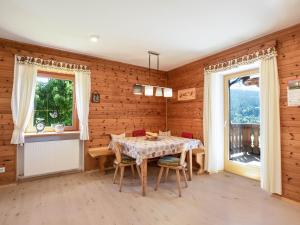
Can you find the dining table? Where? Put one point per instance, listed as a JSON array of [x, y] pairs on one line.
[[142, 149]]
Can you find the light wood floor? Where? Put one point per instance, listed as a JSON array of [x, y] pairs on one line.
[[91, 199]]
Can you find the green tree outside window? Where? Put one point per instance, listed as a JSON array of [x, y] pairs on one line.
[[54, 101]]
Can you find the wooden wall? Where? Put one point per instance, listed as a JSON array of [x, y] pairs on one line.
[[187, 116], [118, 111]]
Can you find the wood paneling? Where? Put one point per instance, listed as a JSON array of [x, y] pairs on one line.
[[188, 116], [119, 110]]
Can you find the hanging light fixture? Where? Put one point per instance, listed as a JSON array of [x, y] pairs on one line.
[[158, 92], [168, 92], [137, 89], [148, 90]]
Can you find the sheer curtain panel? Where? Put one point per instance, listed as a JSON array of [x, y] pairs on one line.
[[22, 98], [83, 90], [213, 120], [270, 126]]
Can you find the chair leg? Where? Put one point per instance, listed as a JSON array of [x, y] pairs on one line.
[[138, 170], [132, 171], [185, 178], [115, 175], [166, 174], [178, 182], [121, 177], [158, 178]]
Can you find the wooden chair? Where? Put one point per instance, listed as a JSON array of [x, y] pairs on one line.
[[138, 133], [121, 162], [173, 163]]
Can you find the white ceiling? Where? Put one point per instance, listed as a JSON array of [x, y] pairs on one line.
[[181, 30]]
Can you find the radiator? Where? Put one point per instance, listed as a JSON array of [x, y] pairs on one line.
[[50, 157]]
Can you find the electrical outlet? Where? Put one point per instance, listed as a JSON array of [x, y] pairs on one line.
[[2, 169]]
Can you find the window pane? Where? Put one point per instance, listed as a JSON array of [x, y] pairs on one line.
[[53, 101], [244, 100]]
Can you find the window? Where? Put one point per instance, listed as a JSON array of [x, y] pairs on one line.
[[54, 101], [244, 99]]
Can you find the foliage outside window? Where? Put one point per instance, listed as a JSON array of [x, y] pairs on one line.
[[54, 101], [244, 103]]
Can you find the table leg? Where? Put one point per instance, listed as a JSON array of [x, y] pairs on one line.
[[190, 164], [144, 176]]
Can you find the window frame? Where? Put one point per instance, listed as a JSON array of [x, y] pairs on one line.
[[59, 76]]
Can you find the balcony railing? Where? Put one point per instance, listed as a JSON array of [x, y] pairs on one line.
[[244, 138]]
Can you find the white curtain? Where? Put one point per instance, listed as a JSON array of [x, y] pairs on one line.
[[270, 126], [22, 99], [83, 91], [213, 120]]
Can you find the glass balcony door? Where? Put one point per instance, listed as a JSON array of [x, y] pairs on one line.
[[242, 124]]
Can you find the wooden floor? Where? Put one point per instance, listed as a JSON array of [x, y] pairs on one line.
[[88, 198]]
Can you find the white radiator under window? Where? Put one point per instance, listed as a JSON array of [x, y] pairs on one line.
[[51, 156]]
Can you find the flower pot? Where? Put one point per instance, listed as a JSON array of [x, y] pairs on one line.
[[59, 128]]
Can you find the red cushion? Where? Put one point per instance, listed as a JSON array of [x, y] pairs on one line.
[[138, 133], [186, 135]]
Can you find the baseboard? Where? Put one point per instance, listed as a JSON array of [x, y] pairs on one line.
[[8, 185], [286, 199], [37, 177]]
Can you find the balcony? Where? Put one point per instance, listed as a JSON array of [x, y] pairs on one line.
[[244, 143]]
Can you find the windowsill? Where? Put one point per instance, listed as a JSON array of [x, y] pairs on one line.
[[51, 136], [50, 133]]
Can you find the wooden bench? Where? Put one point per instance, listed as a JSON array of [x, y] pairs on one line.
[[199, 157], [101, 154]]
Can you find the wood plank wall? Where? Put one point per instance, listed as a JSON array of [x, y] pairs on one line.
[[119, 110], [188, 116]]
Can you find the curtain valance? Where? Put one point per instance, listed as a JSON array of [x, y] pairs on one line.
[[51, 64], [246, 59]]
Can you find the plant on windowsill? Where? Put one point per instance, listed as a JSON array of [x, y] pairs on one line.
[[58, 127]]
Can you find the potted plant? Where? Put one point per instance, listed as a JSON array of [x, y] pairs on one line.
[[58, 127]]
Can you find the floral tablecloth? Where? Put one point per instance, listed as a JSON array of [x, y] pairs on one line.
[[140, 148]]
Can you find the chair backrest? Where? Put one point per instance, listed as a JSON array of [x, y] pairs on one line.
[[182, 157], [186, 135], [138, 133], [117, 150]]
